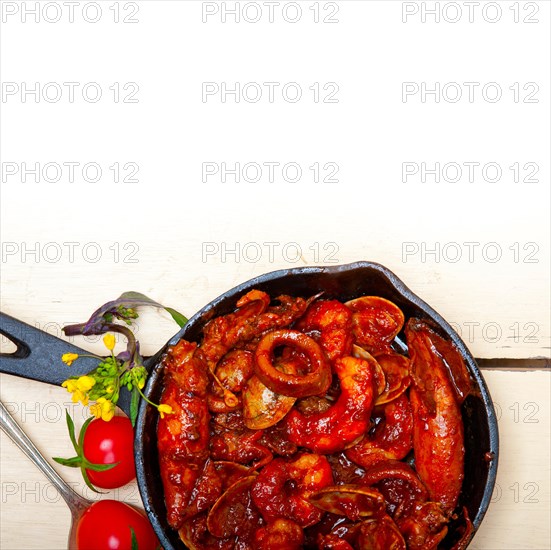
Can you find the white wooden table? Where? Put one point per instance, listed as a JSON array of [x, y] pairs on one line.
[[29, 501], [476, 249]]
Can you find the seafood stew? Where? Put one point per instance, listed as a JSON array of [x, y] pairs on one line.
[[343, 283], [296, 422]]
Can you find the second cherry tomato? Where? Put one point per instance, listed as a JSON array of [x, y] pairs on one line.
[[107, 443], [107, 525]]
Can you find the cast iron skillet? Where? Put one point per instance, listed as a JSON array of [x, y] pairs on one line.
[[38, 357]]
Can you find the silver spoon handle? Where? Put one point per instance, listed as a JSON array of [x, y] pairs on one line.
[[75, 502]]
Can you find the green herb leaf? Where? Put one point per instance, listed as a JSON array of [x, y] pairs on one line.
[[99, 467], [177, 316], [122, 308], [80, 461], [134, 402], [138, 299], [81, 435], [74, 462], [134, 540], [88, 482], [71, 427]]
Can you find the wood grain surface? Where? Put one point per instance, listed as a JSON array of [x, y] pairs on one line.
[[500, 310], [33, 516]]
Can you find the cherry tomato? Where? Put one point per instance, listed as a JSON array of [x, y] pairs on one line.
[[107, 443], [106, 526]]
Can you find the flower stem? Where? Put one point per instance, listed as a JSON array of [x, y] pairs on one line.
[[141, 393]]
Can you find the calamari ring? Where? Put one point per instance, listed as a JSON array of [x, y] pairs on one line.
[[315, 382]]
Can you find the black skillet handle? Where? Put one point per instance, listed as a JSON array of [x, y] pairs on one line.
[[38, 356]]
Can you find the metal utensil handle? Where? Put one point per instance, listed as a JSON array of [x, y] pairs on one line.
[[38, 356], [75, 502]]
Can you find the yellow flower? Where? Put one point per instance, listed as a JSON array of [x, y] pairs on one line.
[[68, 358], [70, 384], [164, 409], [103, 409], [79, 388], [80, 396], [109, 341], [95, 409], [85, 383]]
